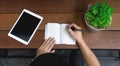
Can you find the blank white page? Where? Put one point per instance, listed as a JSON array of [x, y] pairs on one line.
[[53, 30], [65, 36]]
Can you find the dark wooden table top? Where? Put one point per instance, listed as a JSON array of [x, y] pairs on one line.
[[60, 11]]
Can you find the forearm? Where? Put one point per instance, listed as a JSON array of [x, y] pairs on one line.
[[89, 56]]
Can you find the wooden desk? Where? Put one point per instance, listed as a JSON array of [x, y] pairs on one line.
[[61, 11]]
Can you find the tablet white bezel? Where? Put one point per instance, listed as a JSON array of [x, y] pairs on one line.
[[19, 39]]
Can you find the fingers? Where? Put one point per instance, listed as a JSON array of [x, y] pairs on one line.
[[44, 42], [74, 25], [71, 31], [49, 43], [46, 46]]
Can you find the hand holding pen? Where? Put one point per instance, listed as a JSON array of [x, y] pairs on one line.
[[75, 31]]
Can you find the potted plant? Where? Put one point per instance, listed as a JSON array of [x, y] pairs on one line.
[[99, 16]]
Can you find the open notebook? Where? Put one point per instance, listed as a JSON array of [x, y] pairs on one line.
[[59, 32]]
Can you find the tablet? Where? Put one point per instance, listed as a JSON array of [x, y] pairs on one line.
[[25, 26]]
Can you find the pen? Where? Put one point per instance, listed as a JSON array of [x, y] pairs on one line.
[[78, 30], [74, 29]]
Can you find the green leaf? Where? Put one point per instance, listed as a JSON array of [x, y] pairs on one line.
[[99, 15]]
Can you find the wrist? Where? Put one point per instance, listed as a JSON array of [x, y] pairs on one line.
[[80, 41]]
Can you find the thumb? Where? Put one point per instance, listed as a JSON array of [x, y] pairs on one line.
[[53, 51]]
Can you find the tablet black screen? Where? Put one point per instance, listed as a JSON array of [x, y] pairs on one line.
[[25, 26]]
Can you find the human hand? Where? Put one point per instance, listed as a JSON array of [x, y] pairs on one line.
[[77, 35], [46, 47]]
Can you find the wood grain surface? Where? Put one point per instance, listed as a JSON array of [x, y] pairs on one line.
[[51, 6], [95, 40], [7, 20], [60, 11]]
